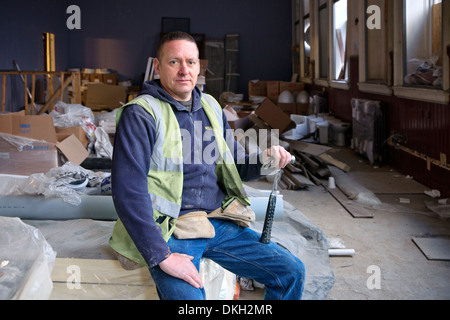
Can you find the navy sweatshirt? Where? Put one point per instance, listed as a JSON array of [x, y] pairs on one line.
[[133, 146]]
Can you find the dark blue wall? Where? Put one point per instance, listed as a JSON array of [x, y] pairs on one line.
[[22, 23], [121, 35]]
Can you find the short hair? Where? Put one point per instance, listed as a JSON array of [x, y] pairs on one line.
[[171, 36]]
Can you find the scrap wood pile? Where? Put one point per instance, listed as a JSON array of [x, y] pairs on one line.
[[307, 170], [310, 166], [311, 160]]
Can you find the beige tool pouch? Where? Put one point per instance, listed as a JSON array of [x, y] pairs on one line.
[[241, 215], [194, 225]]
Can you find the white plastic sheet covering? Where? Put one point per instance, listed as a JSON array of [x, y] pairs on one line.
[[69, 115], [62, 182], [26, 262], [353, 190], [220, 284], [89, 239]]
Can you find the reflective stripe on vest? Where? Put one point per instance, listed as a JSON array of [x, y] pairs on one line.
[[166, 164]]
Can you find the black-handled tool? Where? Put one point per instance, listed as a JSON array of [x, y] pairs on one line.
[[270, 211]]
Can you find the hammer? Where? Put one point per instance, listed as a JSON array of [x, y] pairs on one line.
[[270, 211]]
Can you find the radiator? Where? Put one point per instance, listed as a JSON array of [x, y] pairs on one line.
[[369, 130]]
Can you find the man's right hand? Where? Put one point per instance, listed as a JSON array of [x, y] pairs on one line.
[[180, 266]]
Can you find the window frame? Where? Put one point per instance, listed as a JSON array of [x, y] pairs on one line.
[[303, 66], [296, 38], [367, 85], [440, 96], [315, 34], [394, 52], [338, 83], [329, 80]]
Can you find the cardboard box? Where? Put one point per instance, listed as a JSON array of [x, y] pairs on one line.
[[73, 150], [24, 156], [289, 108], [292, 86], [100, 96], [302, 108], [78, 132], [237, 120], [96, 77], [85, 77], [295, 108], [38, 127], [273, 90], [110, 78], [274, 116], [257, 88]]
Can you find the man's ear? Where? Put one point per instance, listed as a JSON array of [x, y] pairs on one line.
[[156, 66], [199, 67]]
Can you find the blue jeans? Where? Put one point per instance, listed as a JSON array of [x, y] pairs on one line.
[[239, 251]]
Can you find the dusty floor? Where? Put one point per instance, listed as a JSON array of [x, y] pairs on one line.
[[387, 263]]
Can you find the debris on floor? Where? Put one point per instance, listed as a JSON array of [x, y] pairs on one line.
[[336, 248], [441, 208], [434, 248]]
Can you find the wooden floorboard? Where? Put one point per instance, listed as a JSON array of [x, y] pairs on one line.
[[91, 279]]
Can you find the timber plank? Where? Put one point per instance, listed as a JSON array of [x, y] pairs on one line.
[[93, 279], [355, 210], [100, 271]]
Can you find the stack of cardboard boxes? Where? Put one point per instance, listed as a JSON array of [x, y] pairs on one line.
[[270, 113], [273, 89], [101, 90], [31, 144]]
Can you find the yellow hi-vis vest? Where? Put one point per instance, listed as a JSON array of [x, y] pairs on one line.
[[165, 177]]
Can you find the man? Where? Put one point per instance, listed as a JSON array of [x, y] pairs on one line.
[[175, 188]]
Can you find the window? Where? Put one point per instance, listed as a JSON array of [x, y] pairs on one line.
[[402, 46], [340, 39], [375, 45], [305, 40], [325, 49], [323, 39], [307, 46], [421, 37], [423, 43], [295, 38]]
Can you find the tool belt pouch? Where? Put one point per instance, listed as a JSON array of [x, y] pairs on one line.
[[241, 215], [194, 225]]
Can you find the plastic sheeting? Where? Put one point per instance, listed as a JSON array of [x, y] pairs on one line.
[[68, 182], [89, 239], [69, 115], [26, 262], [353, 190], [219, 283]]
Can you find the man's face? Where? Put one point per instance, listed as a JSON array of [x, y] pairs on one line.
[[179, 68]]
